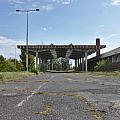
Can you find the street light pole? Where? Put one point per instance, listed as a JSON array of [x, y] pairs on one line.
[[27, 32], [27, 44]]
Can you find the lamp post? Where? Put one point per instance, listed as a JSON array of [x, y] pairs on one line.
[[27, 23]]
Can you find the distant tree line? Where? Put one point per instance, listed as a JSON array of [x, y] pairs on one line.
[[11, 65], [61, 64]]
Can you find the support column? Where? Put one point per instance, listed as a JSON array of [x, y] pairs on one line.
[[36, 59], [52, 65], [78, 64], [86, 68], [82, 63], [40, 62], [53, 52], [68, 53], [75, 64]]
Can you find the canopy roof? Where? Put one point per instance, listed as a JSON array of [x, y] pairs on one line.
[[74, 51]]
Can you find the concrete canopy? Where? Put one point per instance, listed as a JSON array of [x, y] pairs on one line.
[[66, 51]]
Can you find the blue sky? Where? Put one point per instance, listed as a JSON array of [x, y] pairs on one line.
[[59, 22]]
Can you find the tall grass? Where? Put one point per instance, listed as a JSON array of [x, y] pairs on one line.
[[12, 76]]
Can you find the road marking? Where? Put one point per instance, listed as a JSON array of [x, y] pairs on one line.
[[69, 79], [28, 97], [21, 103]]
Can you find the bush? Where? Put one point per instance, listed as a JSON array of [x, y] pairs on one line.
[[101, 65], [1, 77], [34, 70]]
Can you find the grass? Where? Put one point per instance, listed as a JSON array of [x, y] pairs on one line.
[[96, 114], [114, 73], [41, 92], [11, 76], [72, 88], [48, 109]]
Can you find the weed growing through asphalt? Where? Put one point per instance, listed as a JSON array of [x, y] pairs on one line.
[[6, 77], [72, 88], [96, 114], [48, 109]]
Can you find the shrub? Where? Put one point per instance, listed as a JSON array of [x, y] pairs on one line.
[[34, 70], [1, 77], [101, 65]]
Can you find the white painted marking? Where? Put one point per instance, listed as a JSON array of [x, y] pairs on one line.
[[69, 79], [9, 94], [20, 104], [28, 97]]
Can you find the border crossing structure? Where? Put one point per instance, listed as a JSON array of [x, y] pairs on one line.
[[79, 53]]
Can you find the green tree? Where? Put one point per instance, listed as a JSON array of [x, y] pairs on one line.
[[61, 64], [31, 61], [2, 63], [17, 64], [65, 64], [6, 65], [57, 64]]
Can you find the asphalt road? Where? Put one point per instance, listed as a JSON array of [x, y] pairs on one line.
[[61, 96]]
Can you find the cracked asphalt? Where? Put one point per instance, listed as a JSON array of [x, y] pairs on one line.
[[61, 96]]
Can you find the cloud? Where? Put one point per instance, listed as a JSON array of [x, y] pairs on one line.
[[112, 35], [101, 26], [42, 4], [20, 1], [16, 1], [115, 2], [47, 7], [64, 2], [7, 47]]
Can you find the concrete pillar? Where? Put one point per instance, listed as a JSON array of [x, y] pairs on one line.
[[36, 59], [52, 64], [82, 63], [45, 62], [53, 52], [75, 64], [78, 63], [40, 61], [44, 65], [86, 68]]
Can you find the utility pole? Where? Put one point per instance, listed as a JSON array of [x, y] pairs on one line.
[[27, 31]]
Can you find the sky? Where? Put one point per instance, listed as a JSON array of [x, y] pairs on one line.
[[59, 22]]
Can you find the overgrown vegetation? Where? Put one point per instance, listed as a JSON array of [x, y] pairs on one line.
[[11, 76], [113, 73], [10, 65], [101, 65], [34, 70], [14, 65], [31, 61], [61, 64]]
